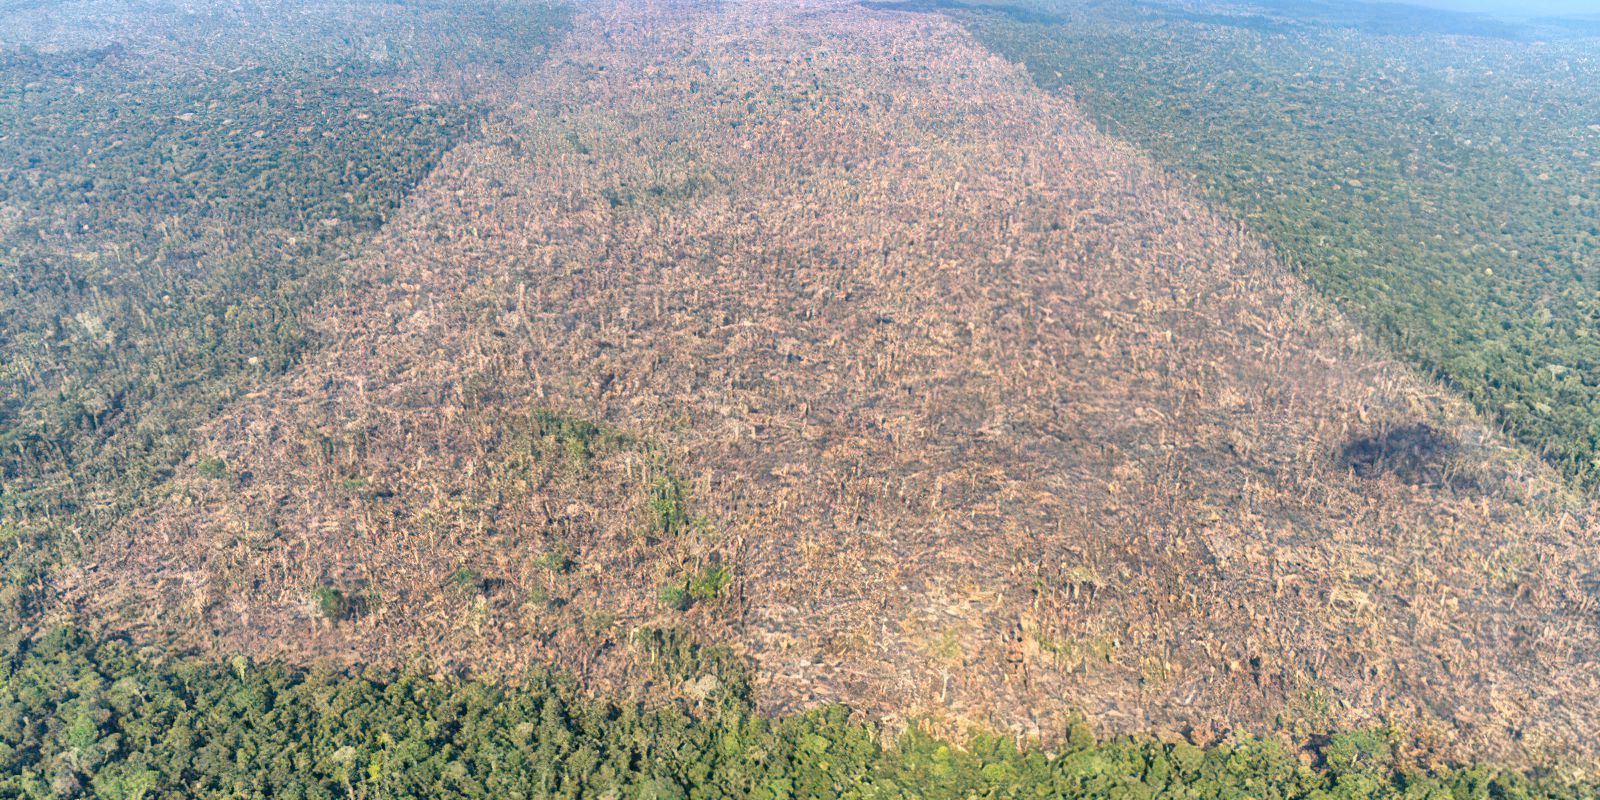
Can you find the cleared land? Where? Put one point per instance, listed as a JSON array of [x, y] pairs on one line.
[[976, 414]]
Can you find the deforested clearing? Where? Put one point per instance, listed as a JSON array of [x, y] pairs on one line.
[[820, 331]]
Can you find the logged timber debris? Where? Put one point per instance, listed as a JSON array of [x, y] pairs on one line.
[[819, 331]]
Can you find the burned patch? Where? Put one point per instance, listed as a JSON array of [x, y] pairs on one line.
[[1417, 454]]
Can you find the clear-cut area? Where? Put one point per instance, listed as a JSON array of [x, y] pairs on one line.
[[985, 419]]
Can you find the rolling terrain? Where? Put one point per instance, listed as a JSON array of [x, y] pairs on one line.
[[821, 331]]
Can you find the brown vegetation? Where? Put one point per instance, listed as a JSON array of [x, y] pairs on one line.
[[985, 417]]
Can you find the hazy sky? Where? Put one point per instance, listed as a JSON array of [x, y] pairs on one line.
[[1520, 8]]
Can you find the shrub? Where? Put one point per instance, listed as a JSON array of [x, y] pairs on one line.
[[556, 560], [468, 579], [214, 468], [667, 506], [676, 597], [575, 440], [333, 604], [709, 584]]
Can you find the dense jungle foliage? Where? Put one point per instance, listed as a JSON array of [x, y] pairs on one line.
[[86, 718], [1436, 174], [165, 229]]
